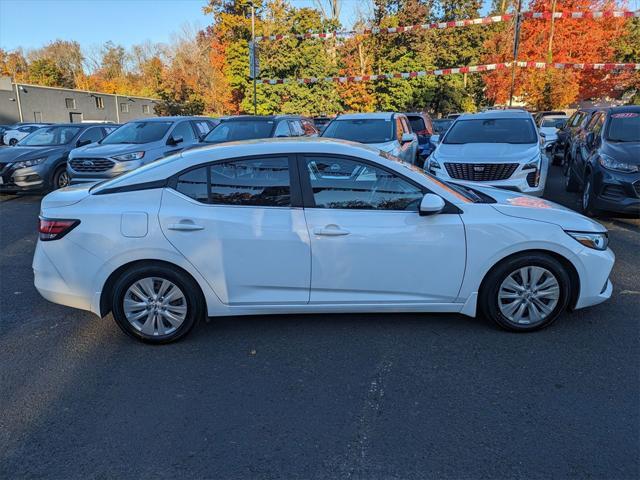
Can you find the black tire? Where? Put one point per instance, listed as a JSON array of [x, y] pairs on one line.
[[586, 200], [489, 299], [192, 294], [570, 181], [60, 178], [13, 142]]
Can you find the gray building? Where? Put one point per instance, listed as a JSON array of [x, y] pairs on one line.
[[21, 102]]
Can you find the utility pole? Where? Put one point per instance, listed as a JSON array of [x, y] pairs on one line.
[[253, 57], [553, 22], [516, 46]]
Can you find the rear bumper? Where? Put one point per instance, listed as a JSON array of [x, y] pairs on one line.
[[52, 286]]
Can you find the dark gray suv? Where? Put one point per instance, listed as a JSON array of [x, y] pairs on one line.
[[38, 162]]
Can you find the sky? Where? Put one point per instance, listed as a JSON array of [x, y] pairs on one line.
[[33, 23]]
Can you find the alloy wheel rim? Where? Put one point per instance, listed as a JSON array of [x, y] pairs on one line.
[[63, 180], [155, 306], [528, 295]]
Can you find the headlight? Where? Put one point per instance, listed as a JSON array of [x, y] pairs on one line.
[[612, 164], [597, 241], [129, 156], [433, 164], [29, 163], [532, 164]]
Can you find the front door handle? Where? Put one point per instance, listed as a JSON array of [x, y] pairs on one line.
[[330, 231], [185, 226]]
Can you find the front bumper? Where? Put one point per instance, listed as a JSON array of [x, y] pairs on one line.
[[28, 179], [595, 286], [117, 169], [616, 191], [521, 180]]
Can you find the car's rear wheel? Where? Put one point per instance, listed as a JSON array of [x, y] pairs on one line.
[[526, 292], [61, 178], [156, 304]]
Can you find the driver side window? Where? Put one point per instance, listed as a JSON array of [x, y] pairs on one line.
[[184, 130], [348, 184]]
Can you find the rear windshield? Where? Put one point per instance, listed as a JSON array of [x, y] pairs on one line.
[[624, 127], [240, 130], [553, 122], [440, 126], [417, 123], [491, 130], [363, 130], [137, 132]]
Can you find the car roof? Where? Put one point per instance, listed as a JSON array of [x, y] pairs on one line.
[[624, 109], [266, 118], [489, 114], [169, 119], [371, 116]]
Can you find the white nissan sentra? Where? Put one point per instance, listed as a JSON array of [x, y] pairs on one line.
[[310, 225]]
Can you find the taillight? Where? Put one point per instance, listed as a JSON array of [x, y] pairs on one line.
[[54, 228]]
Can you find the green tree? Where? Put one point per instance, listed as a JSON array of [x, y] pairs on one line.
[[45, 72]]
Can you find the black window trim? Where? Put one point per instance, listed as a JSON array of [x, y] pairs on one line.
[[307, 191], [294, 183]]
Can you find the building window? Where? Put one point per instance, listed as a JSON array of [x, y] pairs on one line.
[[124, 107], [70, 102], [145, 108], [37, 117], [99, 103]]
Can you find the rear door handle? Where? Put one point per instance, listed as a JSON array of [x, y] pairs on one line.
[[330, 231], [185, 226]]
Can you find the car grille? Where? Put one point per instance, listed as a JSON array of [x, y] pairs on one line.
[[480, 172], [91, 164], [636, 187]]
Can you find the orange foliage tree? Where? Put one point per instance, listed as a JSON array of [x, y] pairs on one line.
[[574, 41]]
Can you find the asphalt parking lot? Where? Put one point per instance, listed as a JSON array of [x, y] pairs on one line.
[[318, 396]]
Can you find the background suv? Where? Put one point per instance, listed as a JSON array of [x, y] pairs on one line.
[[251, 127], [606, 165], [500, 148], [386, 131], [39, 161], [134, 144]]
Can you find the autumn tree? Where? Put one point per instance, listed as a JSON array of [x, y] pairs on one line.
[[574, 41]]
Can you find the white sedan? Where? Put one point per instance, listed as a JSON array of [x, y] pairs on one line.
[[310, 225]]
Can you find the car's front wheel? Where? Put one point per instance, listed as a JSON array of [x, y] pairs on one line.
[[526, 292], [13, 142], [60, 178], [156, 304], [588, 207]]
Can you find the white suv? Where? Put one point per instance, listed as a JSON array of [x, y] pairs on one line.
[[497, 148]]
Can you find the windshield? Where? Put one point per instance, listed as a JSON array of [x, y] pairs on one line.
[[363, 130], [240, 130], [137, 132], [491, 130], [624, 127], [441, 126], [553, 122], [50, 136]]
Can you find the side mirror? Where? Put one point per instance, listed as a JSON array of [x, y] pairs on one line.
[[175, 140], [435, 139], [82, 143], [431, 204], [408, 137]]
